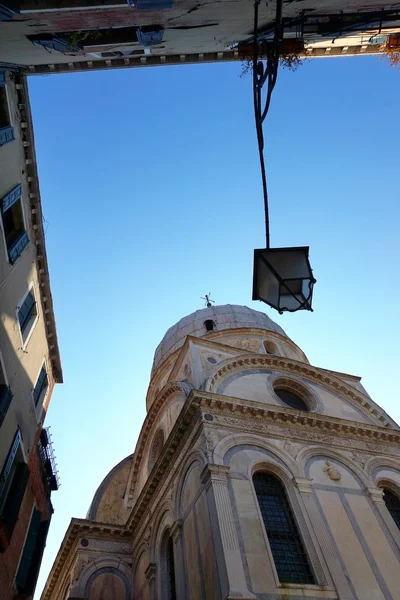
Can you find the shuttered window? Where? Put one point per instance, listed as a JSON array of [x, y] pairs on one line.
[[15, 496], [29, 551], [41, 385], [13, 223], [6, 130], [27, 311], [284, 538], [36, 558], [5, 401], [13, 482]]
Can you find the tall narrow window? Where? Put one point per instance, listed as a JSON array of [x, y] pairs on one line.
[[13, 481], [40, 389], [6, 130], [171, 570], [287, 548], [392, 502], [5, 393], [27, 314]]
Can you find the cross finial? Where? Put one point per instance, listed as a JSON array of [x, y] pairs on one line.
[[208, 300]]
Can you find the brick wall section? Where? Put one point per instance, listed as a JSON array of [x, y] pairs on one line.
[[35, 491]]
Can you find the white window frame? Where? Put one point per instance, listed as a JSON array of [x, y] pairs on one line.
[[25, 227], [34, 320], [39, 409]]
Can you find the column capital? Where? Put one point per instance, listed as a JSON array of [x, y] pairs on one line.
[[304, 484], [150, 571], [176, 530], [213, 473], [376, 494]]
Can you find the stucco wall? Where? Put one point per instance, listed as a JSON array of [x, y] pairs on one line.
[[22, 363]]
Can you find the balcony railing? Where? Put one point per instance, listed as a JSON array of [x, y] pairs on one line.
[[5, 401], [46, 452]]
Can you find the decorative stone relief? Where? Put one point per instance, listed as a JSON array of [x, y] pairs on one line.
[[211, 439], [301, 433], [332, 472], [245, 344]]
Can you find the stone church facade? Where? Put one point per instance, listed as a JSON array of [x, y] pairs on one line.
[[256, 476]]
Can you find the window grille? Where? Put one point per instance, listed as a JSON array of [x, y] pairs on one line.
[[287, 549]]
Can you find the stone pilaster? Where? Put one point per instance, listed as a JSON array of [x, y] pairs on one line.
[[180, 579], [323, 537], [376, 495], [231, 570]]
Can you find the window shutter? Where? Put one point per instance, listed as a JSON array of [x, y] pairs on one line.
[[6, 135], [15, 496], [10, 198], [36, 560], [41, 384], [29, 551], [25, 311], [18, 247], [5, 401]]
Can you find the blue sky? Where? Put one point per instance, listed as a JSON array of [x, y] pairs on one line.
[[152, 197]]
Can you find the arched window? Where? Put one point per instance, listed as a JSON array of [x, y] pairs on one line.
[[392, 502], [156, 447], [171, 570], [291, 561]]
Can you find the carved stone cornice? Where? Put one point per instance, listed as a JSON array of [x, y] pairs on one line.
[[300, 421], [78, 528], [256, 417], [168, 459], [293, 367], [156, 408]]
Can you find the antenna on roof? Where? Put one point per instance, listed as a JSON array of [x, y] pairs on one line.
[[208, 300]]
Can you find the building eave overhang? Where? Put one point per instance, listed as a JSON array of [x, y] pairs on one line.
[[37, 226], [158, 60]]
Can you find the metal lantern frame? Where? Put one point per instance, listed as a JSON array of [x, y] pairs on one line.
[[267, 74], [283, 288]]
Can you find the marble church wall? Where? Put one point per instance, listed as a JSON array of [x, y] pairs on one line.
[[184, 521]]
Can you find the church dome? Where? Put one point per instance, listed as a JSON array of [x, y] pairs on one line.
[[227, 316]]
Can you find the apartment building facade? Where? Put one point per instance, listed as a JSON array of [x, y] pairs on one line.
[[29, 355]]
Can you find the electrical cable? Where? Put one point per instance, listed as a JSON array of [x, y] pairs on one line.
[[260, 75]]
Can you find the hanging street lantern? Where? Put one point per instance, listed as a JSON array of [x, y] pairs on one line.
[[283, 278]]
